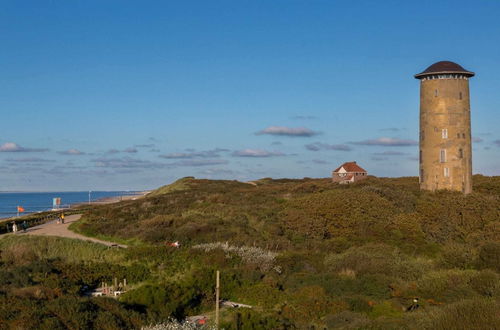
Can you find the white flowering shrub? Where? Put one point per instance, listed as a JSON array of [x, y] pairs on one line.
[[176, 325], [249, 254]]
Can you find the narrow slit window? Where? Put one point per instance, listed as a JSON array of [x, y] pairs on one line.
[[460, 153], [446, 172], [444, 133], [460, 95], [442, 156], [435, 92]]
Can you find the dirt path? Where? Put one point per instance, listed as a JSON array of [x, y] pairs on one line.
[[58, 229]]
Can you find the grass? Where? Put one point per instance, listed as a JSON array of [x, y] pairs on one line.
[[49, 247], [303, 252]]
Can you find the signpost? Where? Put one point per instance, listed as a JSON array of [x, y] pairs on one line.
[[217, 289], [56, 203]]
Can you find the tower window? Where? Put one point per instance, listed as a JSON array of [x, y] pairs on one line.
[[444, 133], [446, 172], [463, 135], [442, 156], [435, 92], [460, 153], [460, 95]]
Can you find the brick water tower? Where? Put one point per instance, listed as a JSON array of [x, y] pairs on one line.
[[445, 132]]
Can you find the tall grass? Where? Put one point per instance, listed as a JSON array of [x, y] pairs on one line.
[[70, 250]]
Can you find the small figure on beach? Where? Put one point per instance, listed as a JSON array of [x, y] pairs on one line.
[[24, 225], [14, 227], [62, 218]]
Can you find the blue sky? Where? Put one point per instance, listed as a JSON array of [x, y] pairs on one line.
[[135, 94]]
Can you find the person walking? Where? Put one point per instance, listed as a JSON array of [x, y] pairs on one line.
[[14, 227], [62, 218], [24, 225]]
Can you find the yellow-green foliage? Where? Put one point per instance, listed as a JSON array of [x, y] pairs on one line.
[[470, 314], [17, 248], [304, 253], [181, 184]]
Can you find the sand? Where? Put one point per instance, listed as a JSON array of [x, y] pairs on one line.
[[53, 228]]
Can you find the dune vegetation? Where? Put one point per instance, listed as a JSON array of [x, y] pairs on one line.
[[304, 253]]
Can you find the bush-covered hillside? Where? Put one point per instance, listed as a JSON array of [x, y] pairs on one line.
[[304, 253], [342, 255]]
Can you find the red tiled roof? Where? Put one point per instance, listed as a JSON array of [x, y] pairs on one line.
[[351, 167]]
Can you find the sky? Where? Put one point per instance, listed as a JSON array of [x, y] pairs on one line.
[[132, 95]]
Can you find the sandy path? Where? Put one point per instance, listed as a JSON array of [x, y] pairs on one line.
[[53, 228]]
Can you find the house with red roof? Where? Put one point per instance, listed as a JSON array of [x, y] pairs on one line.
[[349, 172]]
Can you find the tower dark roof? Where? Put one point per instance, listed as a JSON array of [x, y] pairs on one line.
[[442, 68]]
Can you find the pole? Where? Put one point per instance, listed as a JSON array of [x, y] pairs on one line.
[[217, 289]]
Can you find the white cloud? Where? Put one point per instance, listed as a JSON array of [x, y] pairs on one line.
[[287, 131], [72, 152], [214, 153], [14, 147], [256, 153], [317, 146], [386, 141]]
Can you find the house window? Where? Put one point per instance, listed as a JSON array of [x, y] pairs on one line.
[[444, 133], [460, 153], [446, 172], [442, 156]]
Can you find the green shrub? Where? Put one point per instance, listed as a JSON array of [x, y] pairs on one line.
[[471, 314], [378, 259], [456, 255], [445, 285], [489, 256], [346, 320], [486, 283]]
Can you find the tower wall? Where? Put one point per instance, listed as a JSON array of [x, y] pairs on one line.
[[445, 133]]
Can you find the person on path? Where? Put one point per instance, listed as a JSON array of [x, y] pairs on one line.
[[14, 227], [62, 218], [24, 225]]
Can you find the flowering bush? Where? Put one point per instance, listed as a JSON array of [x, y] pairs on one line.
[[249, 254]]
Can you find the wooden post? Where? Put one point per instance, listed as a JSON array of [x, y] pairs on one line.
[[217, 289]]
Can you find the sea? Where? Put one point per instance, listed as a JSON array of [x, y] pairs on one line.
[[33, 202]]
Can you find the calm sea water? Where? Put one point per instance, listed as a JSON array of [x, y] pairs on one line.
[[42, 201]]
